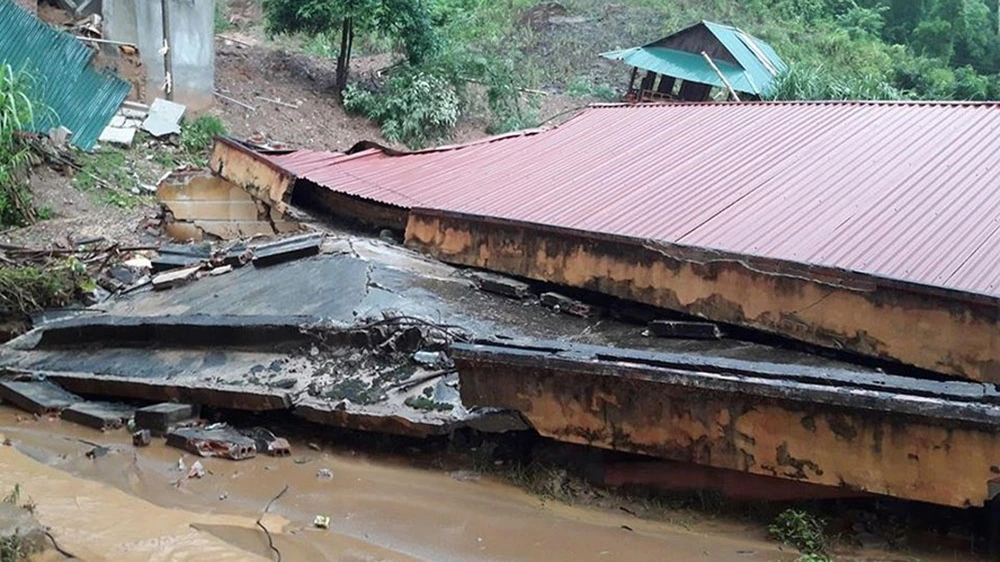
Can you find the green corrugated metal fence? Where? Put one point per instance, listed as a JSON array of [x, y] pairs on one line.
[[80, 98]]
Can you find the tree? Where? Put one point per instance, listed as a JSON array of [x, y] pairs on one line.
[[407, 20]]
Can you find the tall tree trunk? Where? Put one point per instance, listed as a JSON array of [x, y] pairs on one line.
[[344, 58]]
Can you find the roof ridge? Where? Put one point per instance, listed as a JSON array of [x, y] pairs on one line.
[[941, 103]]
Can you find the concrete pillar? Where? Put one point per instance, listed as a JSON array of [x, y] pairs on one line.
[[191, 26], [149, 27], [119, 20], [139, 22]]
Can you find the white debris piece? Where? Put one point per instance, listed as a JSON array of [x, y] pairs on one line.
[[164, 118], [117, 135]]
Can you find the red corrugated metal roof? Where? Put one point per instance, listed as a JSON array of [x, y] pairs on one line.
[[900, 190]]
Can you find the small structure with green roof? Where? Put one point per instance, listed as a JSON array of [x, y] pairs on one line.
[[689, 64]]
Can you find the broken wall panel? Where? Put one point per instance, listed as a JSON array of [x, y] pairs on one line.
[[203, 206], [949, 332], [261, 178], [680, 416]]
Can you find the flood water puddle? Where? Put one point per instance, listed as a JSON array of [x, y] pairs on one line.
[[125, 505], [136, 505]]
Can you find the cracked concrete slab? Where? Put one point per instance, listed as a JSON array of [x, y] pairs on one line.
[[332, 337]]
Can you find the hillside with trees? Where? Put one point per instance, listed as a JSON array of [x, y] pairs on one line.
[[450, 51]]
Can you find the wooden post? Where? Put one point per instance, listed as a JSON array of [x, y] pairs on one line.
[[719, 72], [168, 59]]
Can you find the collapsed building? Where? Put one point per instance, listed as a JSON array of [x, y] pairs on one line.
[[802, 292]]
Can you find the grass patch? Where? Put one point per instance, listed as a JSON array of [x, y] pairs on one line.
[[582, 87], [14, 548], [108, 177], [29, 289], [425, 404], [198, 135], [222, 22], [803, 531], [17, 113]]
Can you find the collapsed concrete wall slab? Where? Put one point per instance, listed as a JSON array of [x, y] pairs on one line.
[[943, 450], [201, 205], [948, 332]]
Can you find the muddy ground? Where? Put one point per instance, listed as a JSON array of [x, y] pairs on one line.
[[125, 506], [388, 500]]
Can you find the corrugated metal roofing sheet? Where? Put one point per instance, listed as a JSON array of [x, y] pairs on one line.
[[761, 62], [901, 190], [79, 97], [684, 65]]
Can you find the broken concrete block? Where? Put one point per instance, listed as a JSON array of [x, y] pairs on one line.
[[682, 329], [175, 278], [117, 121], [121, 136], [164, 118], [176, 256], [562, 303], [37, 397], [268, 442], [160, 418], [99, 415], [132, 113], [134, 106], [500, 285], [221, 441], [287, 250], [168, 262], [431, 359], [142, 438]]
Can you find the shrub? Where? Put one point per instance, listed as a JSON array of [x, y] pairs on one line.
[[197, 136], [17, 112], [415, 107], [28, 289], [802, 530]]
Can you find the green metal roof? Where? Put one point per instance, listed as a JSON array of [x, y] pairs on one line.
[[760, 61], [758, 65], [683, 65], [80, 98]]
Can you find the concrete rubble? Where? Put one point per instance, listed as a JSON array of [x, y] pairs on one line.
[[162, 418], [125, 123], [164, 118], [102, 416], [37, 397], [213, 441]]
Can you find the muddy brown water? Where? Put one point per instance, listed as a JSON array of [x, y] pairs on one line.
[[126, 506]]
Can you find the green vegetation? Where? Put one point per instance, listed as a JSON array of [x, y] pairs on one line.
[[107, 176], [415, 108], [482, 50], [406, 20], [221, 23], [16, 112], [28, 289], [425, 404], [15, 548], [197, 136], [803, 531]]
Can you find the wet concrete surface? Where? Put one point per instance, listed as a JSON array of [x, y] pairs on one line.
[[124, 506], [254, 339]]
